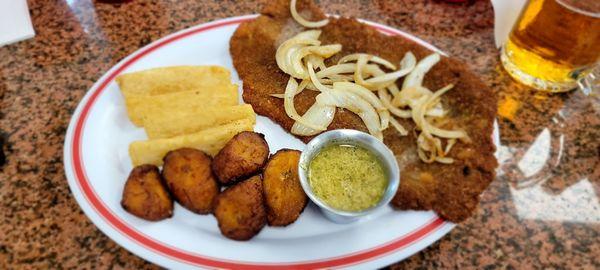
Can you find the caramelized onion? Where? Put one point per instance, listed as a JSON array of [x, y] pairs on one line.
[[368, 96], [385, 100], [450, 134], [336, 70], [355, 104], [394, 90], [370, 57], [407, 64], [398, 126], [449, 145], [286, 50], [315, 80], [358, 73], [303, 21], [318, 114], [297, 66], [350, 84], [445, 160], [290, 109], [415, 77]]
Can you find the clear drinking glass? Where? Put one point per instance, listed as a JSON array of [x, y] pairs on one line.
[[555, 45]]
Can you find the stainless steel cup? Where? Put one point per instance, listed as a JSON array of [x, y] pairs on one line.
[[350, 137]]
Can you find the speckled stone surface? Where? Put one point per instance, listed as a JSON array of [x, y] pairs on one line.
[[542, 211]]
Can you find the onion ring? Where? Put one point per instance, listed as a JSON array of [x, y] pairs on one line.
[[318, 114], [303, 21], [416, 76], [368, 96], [398, 127], [355, 104], [288, 103], [385, 100], [372, 58], [406, 66]]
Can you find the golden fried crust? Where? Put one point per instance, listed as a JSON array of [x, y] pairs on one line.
[[244, 155], [452, 193], [189, 177], [285, 199], [145, 195], [240, 209]]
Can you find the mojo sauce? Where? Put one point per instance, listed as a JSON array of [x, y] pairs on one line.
[[347, 177]]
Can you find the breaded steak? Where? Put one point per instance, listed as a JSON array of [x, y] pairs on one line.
[[450, 190]]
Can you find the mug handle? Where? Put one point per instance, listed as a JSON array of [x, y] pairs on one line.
[[590, 82]]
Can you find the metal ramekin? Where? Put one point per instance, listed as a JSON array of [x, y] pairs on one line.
[[351, 137]]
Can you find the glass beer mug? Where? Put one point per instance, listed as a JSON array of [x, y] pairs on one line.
[[554, 45]]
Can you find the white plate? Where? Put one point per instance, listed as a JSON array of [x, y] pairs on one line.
[[97, 165]]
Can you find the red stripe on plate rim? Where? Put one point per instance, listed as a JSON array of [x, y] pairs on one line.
[[196, 259]]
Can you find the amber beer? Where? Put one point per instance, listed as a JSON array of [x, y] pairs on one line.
[[554, 43]]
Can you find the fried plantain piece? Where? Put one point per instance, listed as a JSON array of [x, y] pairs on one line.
[[189, 177], [244, 155], [284, 197], [240, 209], [145, 195]]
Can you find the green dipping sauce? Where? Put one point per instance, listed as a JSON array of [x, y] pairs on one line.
[[347, 177]]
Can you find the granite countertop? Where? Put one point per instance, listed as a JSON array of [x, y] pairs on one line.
[[542, 211]]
